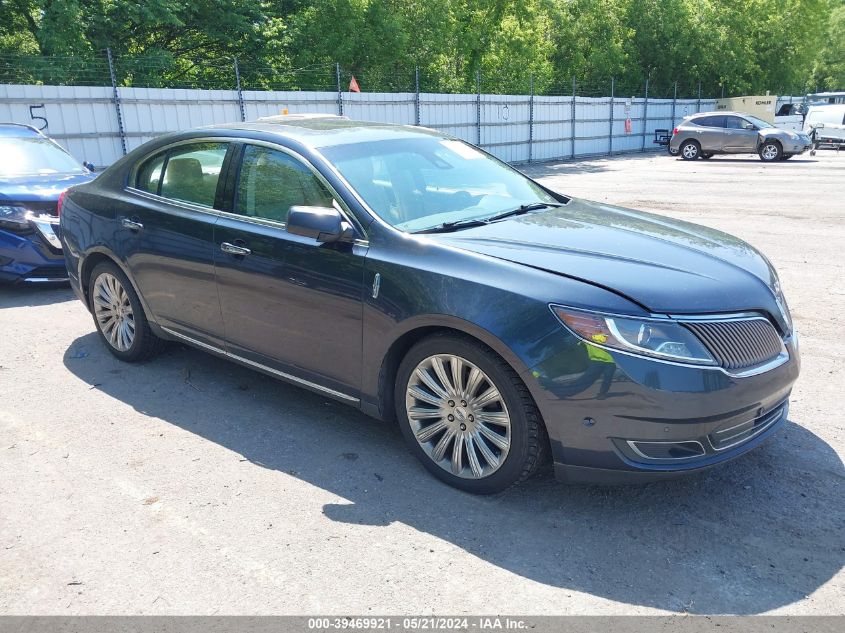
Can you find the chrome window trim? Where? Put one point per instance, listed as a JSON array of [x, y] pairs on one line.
[[337, 199], [288, 377], [774, 363], [133, 173]]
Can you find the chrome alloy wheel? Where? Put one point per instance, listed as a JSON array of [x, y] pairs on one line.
[[113, 312], [458, 416], [770, 152], [690, 150]]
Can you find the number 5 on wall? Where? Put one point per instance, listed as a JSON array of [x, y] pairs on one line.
[[35, 117]]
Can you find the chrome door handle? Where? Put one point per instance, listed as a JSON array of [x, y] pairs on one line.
[[234, 249], [131, 224]]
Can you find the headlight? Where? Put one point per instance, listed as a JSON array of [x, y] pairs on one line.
[[793, 136], [658, 338], [13, 216]]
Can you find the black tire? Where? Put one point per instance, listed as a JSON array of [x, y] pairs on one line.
[[528, 439], [770, 151], [706, 156], [144, 343], [690, 150]]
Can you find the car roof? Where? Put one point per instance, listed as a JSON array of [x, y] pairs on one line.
[[16, 130], [328, 130], [719, 112]]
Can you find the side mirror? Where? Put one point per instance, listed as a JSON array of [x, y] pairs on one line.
[[324, 224], [748, 126], [819, 126]]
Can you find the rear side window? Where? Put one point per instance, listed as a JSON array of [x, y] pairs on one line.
[[710, 121], [271, 182], [149, 175], [191, 172]]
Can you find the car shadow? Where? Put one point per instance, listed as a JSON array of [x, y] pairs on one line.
[[753, 535], [584, 164], [752, 158], [22, 295]]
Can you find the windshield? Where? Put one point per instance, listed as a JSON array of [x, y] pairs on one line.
[[34, 157], [420, 183], [760, 123]]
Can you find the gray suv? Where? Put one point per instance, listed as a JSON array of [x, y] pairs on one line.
[[707, 133]]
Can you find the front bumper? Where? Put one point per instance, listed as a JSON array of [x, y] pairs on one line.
[[797, 147], [635, 420], [30, 258]]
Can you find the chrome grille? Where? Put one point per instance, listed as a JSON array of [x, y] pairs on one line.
[[739, 343], [744, 431]]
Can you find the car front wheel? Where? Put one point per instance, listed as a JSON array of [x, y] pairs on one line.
[[770, 151], [467, 415], [690, 150], [119, 316]]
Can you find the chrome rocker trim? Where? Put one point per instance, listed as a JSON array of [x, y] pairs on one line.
[[275, 372]]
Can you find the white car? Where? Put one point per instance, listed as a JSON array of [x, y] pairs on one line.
[[826, 124]]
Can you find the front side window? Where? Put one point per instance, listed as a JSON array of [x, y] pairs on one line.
[[191, 172], [271, 182], [735, 123], [760, 123], [421, 182]]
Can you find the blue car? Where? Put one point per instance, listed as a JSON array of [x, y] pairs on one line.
[[500, 324], [34, 173]]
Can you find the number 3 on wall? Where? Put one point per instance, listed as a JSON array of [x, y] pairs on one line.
[[35, 117]]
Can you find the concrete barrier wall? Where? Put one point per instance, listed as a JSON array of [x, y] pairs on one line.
[[516, 128]]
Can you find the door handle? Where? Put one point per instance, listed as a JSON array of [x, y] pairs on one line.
[[132, 225], [234, 249]]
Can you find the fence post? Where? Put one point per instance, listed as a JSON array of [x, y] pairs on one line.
[[572, 136], [531, 122], [116, 99], [417, 95], [478, 107], [339, 90], [610, 137], [698, 106], [674, 100], [240, 92], [645, 114]]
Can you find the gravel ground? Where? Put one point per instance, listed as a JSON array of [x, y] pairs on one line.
[[191, 485]]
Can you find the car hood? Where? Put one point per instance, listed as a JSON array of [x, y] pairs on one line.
[[43, 188], [666, 266]]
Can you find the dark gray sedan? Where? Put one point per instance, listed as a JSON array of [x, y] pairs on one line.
[[706, 134], [418, 278]]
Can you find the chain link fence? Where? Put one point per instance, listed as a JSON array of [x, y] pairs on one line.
[[102, 107]]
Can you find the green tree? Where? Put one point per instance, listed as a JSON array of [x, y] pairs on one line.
[[829, 67]]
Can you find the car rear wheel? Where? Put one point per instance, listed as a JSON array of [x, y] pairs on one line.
[[770, 151], [467, 416], [119, 316], [690, 150]]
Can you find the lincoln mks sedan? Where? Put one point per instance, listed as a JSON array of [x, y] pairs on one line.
[[500, 324]]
